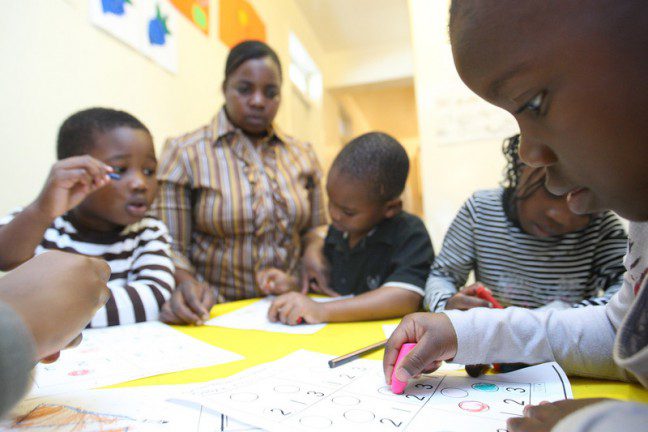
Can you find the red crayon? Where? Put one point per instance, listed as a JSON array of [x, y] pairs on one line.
[[483, 293]]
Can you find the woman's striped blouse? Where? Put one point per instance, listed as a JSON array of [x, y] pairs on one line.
[[581, 268], [234, 207]]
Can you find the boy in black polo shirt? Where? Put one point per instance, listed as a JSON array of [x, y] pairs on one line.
[[376, 250]]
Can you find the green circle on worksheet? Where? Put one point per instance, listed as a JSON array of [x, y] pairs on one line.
[[487, 387]]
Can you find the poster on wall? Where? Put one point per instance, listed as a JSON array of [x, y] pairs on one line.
[[197, 11], [145, 25], [239, 21]]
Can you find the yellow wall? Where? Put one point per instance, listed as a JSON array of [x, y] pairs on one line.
[[55, 62]]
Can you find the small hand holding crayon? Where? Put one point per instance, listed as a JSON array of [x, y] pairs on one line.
[[190, 302], [69, 182], [296, 308], [467, 298], [485, 293], [315, 271], [435, 341], [273, 281]]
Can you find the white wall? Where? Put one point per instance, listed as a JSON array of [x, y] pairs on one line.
[[55, 62], [450, 171]]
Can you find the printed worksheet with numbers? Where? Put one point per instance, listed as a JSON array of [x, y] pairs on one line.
[[301, 393]]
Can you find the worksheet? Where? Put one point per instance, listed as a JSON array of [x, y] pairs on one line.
[[124, 353], [301, 393], [255, 317], [128, 409]]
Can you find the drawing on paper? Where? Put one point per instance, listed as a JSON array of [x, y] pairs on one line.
[[68, 418]]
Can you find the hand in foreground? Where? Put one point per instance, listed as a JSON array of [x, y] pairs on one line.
[[295, 308], [435, 340], [56, 294], [543, 417], [273, 281], [190, 303], [467, 299]]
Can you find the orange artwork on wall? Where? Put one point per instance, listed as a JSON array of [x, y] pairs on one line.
[[238, 21], [196, 10]]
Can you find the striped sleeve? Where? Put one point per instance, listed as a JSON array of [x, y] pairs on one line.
[[141, 282], [173, 204], [608, 262], [455, 261]]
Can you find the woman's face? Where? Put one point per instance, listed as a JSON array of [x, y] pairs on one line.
[[252, 95], [542, 214]]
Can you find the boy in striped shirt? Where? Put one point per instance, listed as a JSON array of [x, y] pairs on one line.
[[95, 202]]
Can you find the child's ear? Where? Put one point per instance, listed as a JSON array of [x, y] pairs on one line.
[[393, 207]]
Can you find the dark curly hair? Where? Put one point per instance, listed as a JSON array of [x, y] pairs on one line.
[[515, 192], [77, 133], [249, 50], [378, 160]]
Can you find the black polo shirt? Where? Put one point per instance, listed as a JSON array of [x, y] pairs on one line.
[[397, 252]]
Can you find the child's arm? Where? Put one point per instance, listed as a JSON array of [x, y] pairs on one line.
[[139, 292], [382, 303], [456, 260], [69, 182], [607, 263]]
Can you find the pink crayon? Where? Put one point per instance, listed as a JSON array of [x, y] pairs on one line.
[[397, 387]]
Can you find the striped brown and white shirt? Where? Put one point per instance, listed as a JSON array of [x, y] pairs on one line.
[[234, 207], [141, 269]]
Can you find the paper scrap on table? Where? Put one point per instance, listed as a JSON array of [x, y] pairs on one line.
[[123, 353], [301, 393], [255, 317], [132, 409]]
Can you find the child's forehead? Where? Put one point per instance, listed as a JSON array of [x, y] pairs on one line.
[[123, 140]]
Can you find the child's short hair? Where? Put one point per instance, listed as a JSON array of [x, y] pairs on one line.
[[377, 159], [77, 133]]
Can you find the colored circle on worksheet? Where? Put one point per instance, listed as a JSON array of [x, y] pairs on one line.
[[487, 387], [473, 406]]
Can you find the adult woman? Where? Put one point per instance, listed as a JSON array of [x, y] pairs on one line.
[[238, 195], [527, 247]]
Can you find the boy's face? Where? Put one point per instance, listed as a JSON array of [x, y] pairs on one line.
[[125, 201], [351, 206], [576, 86]]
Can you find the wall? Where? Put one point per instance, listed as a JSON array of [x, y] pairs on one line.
[[54, 62], [450, 172]]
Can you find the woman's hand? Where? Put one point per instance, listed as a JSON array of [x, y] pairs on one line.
[[273, 281], [543, 417], [467, 299], [190, 303], [296, 308]]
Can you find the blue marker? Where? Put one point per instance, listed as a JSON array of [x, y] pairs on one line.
[[114, 176]]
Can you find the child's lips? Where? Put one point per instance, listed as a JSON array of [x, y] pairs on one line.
[[137, 209]]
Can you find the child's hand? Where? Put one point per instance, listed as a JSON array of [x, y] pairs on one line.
[[69, 182], [190, 303], [275, 281], [290, 308], [435, 340], [467, 299], [543, 417], [315, 270]]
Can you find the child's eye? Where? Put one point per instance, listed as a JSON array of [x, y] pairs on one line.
[[148, 172], [348, 213], [119, 170], [534, 105]]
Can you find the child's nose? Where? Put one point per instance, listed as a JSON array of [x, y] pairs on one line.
[[138, 182], [536, 154]]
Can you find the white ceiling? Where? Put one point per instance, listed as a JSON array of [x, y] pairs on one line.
[[357, 24]]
